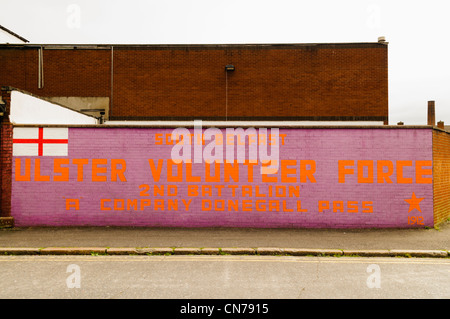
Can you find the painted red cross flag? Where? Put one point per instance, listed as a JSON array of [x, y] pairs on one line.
[[40, 141]]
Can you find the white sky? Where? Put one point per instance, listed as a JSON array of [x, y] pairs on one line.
[[417, 32]]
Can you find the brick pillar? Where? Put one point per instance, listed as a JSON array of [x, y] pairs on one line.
[[6, 130], [431, 114]]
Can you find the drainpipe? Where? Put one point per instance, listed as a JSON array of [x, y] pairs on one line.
[[40, 68]]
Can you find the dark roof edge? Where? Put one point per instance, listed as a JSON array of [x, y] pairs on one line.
[[202, 46], [13, 34]]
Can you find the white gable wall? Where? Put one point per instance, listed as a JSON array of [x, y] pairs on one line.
[[27, 109]]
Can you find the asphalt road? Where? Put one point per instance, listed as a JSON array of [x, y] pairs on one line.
[[236, 277]]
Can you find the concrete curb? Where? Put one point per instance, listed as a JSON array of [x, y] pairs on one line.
[[273, 251]]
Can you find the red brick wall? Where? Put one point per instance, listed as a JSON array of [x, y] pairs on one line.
[[66, 72], [441, 176], [5, 158], [296, 82]]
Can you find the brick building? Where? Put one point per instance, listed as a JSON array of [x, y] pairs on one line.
[[285, 82], [64, 170]]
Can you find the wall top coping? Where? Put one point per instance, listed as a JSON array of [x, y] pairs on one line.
[[225, 125]]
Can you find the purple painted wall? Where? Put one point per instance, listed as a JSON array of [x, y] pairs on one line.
[[66, 200]]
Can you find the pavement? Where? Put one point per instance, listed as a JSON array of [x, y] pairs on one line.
[[432, 242]]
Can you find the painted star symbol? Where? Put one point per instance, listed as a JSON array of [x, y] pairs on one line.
[[414, 202]]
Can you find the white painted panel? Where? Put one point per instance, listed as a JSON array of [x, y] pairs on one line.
[[56, 133], [55, 150], [25, 132], [25, 149]]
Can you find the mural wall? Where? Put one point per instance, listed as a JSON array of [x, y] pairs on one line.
[[299, 177]]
